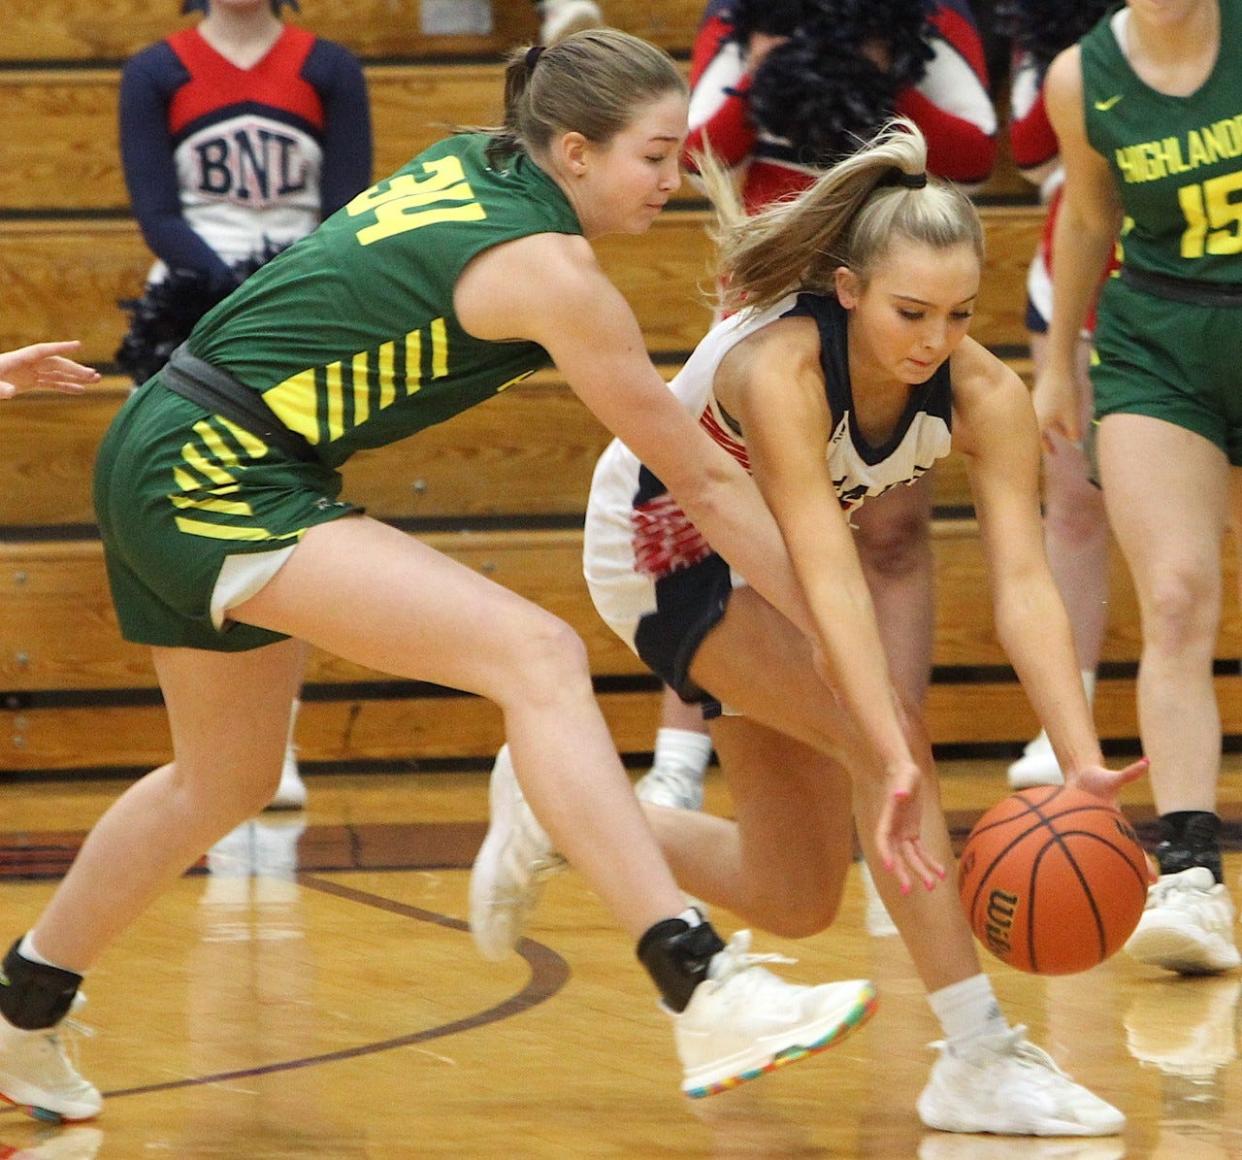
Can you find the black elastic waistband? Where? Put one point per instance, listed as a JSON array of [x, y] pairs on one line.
[[1192, 291], [208, 386]]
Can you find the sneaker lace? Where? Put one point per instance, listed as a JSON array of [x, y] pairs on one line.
[[534, 848], [547, 866], [67, 1037], [1162, 891], [525, 895], [63, 1041], [1014, 1044], [1208, 903], [736, 960]]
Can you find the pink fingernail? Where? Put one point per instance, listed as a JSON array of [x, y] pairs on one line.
[[905, 888]]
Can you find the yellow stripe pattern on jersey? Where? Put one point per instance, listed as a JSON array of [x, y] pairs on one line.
[[324, 403]]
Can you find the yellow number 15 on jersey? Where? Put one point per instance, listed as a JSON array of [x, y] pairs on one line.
[[1213, 217]]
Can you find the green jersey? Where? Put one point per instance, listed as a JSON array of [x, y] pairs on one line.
[[1177, 160], [350, 335]]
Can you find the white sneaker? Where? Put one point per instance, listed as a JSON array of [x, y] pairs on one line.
[[291, 793], [37, 1076], [62, 1144], [1005, 1084], [743, 1020], [1037, 765], [562, 18], [1187, 925], [674, 786], [879, 922], [512, 865]]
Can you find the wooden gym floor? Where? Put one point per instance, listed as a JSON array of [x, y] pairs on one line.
[[313, 992]]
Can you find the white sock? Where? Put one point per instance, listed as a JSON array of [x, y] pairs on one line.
[[967, 1010], [686, 749], [293, 720], [26, 949], [1088, 684]]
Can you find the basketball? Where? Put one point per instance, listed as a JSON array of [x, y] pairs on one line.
[[1053, 880]]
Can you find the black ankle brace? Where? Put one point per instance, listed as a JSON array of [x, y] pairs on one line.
[[1189, 838], [676, 955], [34, 995]]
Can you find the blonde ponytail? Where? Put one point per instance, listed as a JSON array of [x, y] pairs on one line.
[[849, 217]]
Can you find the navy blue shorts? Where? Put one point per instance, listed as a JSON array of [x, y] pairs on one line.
[[690, 602]]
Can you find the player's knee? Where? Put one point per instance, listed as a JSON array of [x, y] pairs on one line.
[[232, 793], [802, 920], [1076, 525], [898, 547], [810, 909], [552, 660], [1183, 610], [250, 796]]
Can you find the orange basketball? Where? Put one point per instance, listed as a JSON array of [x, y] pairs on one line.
[[1053, 880]]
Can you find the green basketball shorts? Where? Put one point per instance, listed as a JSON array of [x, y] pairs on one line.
[[1176, 361], [196, 514]]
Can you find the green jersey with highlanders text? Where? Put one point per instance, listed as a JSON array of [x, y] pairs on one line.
[[1177, 160]]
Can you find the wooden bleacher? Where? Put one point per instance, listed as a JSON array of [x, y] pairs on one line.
[[55, 31], [63, 155], [75, 690], [62, 68], [661, 273], [521, 456], [73, 696]]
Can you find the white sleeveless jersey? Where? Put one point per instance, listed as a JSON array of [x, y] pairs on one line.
[[635, 532]]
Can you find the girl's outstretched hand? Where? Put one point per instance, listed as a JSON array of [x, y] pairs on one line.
[[897, 835], [1106, 783], [44, 365]]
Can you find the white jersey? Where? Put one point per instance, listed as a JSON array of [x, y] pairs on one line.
[[637, 535]]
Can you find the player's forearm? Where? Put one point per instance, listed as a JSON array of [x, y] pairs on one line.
[[1080, 251], [1034, 630]]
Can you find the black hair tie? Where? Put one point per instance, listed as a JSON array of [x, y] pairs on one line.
[[909, 180], [532, 56]]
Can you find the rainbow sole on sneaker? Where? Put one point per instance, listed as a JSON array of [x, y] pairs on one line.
[[43, 1115], [855, 1018]]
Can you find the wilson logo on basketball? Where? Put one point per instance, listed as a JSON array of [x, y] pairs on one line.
[[1002, 906]]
